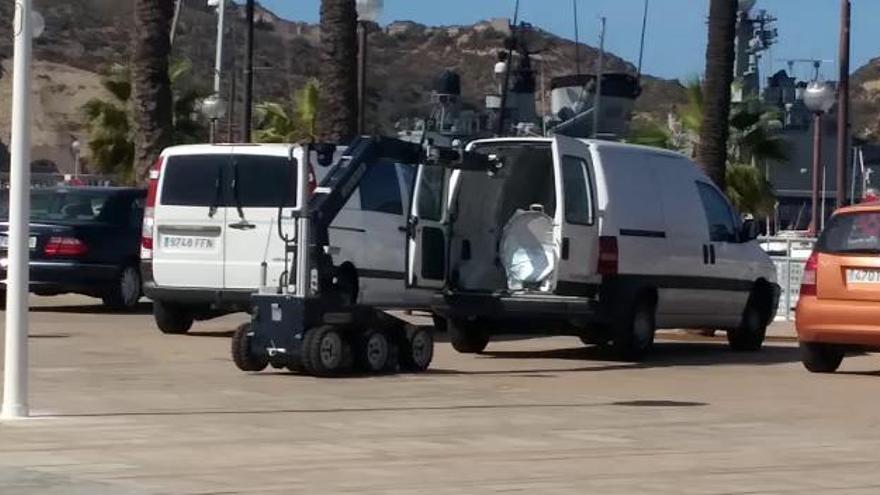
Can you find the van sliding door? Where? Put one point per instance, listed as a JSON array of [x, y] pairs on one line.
[[427, 230]]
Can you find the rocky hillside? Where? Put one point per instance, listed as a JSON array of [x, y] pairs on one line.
[[866, 100], [84, 37]]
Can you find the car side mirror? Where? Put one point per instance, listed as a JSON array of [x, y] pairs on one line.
[[749, 231]]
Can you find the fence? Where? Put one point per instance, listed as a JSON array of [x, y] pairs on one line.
[[51, 180], [789, 254]]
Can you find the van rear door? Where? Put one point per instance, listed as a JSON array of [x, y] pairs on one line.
[[578, 255], [191, 220], [261, 181], [427, 230]]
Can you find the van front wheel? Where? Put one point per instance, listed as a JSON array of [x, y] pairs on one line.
[[750, 334], [467, 337], [172, 319]]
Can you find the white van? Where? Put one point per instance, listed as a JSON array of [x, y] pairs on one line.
[[602, 240], [212, 220]]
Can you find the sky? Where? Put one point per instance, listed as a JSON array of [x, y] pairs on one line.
[[676, 36]]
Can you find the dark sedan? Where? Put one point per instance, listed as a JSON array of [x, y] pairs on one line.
[[84, 240]]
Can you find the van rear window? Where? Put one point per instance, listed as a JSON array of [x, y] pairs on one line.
[[191, 180], [249, 181], [856, 233]]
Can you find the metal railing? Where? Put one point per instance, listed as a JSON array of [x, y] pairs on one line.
[[52, 180], [789, 254]]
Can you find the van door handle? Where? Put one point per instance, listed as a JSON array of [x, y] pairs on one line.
[[712, 253], [242, 226], [705, 254], [565, 248]]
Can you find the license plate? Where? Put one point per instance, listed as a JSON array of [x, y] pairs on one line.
[[4, 242], [188, 243], [859, 276]]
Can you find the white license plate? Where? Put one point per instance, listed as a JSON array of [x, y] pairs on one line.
[[4, 242], [188, 243], [859, 276]]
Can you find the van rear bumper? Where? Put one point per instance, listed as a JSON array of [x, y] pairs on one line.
[[227, 301]]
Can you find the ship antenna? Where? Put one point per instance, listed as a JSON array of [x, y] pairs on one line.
[[499, 130]]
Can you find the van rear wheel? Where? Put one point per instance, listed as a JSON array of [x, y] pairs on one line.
[[634, 332], [172, 319], [821, 358], [467, 337]]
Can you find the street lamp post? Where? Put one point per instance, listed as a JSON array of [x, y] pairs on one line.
[[368, 11], [75, 149], [213, 108], [819, 99], [27, 25]]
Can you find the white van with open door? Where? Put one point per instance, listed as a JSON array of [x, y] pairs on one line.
[[212, 220], [602, 240]]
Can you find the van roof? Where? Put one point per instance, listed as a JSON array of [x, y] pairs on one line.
[[597, 143], [270, 149]]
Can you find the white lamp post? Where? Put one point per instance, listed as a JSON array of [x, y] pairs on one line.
[[75, 149], [213, 108], [218, 61], [819, 98], [368, 11], [27, 25]]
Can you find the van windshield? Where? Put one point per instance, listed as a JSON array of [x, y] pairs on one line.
[[856, 233], [249, 181]]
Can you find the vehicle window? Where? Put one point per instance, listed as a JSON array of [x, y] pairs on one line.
[[68, 205], [722, 227], [430, 193], [851, 233], [263, 181], [380, 190], [191, 180], [578, 191]]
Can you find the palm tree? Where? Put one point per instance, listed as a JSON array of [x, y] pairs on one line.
[[720, 57], [337, 111], [276, 124], [109, 122], [151, 85]]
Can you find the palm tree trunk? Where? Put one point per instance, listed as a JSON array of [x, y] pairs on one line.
[[151, 87], [720, 57], [337, 108]]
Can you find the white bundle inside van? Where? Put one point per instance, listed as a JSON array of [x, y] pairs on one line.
[[528, 250]]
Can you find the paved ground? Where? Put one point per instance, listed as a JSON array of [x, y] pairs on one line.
[[121, 409]]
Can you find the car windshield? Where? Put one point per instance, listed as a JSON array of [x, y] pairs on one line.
[[62, 205], [852, 233]]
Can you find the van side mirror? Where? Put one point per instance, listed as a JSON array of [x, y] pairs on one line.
[[749, 231]]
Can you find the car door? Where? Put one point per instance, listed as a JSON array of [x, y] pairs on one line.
[[729, 283], [427, 230], [578, 250], [190, 220], [261, 187]]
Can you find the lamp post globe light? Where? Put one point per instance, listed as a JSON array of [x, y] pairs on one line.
[[213, 108], [819, 98], [368, 11]]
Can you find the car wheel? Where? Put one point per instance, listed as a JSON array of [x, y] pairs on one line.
[[821, 358], [467, 337], [127, 291], [242, 356], [750, 334], [634, 332], [172, 319], [326, 352]]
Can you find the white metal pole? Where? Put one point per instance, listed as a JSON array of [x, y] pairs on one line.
[[218, 65], [600, 62], [15, 378]]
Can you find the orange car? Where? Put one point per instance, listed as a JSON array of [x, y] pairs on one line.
[[839, 306]]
